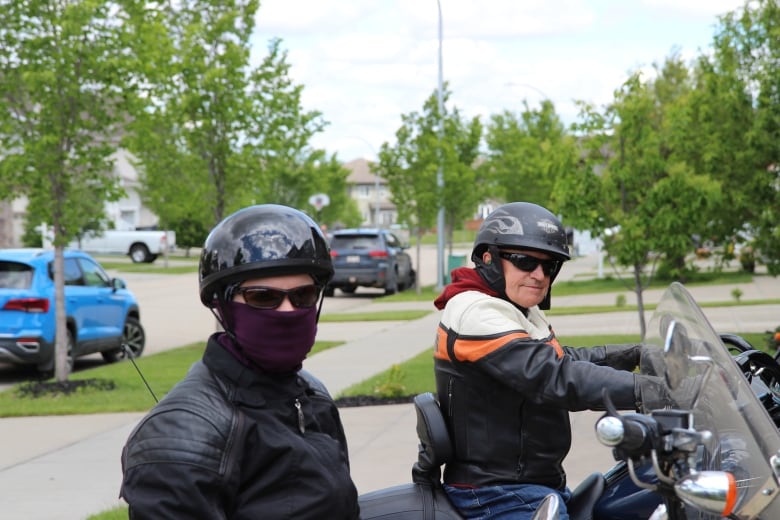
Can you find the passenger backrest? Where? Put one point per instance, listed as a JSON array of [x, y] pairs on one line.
[[435, 447]]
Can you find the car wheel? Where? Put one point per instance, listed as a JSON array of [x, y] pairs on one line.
[[349, 289], [133, 342], [138, 253], [328, 291], [392, 286]]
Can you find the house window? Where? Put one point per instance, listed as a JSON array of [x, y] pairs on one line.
[[127, 219], [363, 191]]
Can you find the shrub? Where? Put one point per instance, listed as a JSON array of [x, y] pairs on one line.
[[747, 259], [392, 385]]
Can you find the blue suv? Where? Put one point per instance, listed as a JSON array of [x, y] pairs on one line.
[[101, 314]]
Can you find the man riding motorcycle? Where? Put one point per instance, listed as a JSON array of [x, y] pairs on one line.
[[505, 384]]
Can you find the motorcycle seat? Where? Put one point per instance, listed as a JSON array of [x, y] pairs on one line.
[[584, 497], [407, 502]]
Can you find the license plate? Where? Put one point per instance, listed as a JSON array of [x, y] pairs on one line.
[[353, 259]]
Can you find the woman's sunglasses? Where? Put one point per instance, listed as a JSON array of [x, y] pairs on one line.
[[261, 297], [529, 263]]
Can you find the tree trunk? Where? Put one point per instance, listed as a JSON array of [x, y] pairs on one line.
[[640, 300]]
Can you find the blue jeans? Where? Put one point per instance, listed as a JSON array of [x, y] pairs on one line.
[[513, 501]]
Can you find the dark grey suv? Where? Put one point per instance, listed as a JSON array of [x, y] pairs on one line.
[[369, 258]]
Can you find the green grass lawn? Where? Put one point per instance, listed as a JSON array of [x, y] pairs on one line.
[[118, 513], [114, 387]]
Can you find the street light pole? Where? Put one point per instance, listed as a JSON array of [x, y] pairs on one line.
[[440, 172]]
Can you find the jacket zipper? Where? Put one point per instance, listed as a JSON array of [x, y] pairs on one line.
[[450, 405], [301, 419]]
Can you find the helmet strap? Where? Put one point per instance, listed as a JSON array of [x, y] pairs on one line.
[[492, 272], [319, 307], [222, 314]]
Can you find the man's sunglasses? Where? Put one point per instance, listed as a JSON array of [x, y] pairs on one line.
[[529, 263], [261, 297]]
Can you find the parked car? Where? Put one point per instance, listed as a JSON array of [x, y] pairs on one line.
[[369, 258], [101, 313], [141, 245]]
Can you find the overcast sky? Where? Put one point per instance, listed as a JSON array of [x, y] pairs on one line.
[[365, 62]]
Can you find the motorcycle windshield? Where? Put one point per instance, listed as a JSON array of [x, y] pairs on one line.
[[700, 375]]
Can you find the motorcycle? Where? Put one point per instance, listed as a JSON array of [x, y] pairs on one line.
[[704, 445]]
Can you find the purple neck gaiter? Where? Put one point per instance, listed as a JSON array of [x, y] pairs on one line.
[[275, 341]]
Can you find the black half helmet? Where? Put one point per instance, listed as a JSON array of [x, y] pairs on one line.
[[259, 241], [518, 225]]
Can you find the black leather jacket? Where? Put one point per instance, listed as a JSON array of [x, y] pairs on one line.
[[227, 442], [506, 387]]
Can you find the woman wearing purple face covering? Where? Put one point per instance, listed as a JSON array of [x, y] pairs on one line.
[[247, 433]]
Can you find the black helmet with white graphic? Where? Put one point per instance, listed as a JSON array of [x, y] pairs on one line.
[[518, 225]]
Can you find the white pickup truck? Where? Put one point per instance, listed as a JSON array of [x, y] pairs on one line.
[[140, 246]]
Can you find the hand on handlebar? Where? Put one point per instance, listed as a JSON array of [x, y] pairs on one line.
[[652, 392], [626, 356]]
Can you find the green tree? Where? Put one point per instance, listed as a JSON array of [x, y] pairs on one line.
[[411, 166], [189, 233], [63, 81], [527, 152], [743, 82], [212, 133], [652, 202]]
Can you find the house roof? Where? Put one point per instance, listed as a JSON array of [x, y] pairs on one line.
[[360, 172]]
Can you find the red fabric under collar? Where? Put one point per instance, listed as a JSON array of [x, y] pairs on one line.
[[463, 279]]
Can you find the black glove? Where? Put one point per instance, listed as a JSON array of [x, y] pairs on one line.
[[652, 393], [623, 357]]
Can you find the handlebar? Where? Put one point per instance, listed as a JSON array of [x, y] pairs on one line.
[[631, 434]]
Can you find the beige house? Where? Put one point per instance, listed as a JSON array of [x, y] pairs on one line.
[[371, 194]]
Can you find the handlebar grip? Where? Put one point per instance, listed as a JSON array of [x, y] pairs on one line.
[[622, 432], [634, 436]]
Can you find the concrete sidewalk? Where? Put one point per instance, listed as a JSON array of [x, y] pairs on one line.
[[66, 468]]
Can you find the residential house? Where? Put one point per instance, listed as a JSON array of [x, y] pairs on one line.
[[371, 194]]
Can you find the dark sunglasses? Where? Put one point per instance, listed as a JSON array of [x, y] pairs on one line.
[[260, 297], [529, 263]]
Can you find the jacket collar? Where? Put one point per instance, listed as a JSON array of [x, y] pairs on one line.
[[249, 387]]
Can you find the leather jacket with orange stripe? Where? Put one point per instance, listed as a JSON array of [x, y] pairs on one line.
[[506, 387]]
